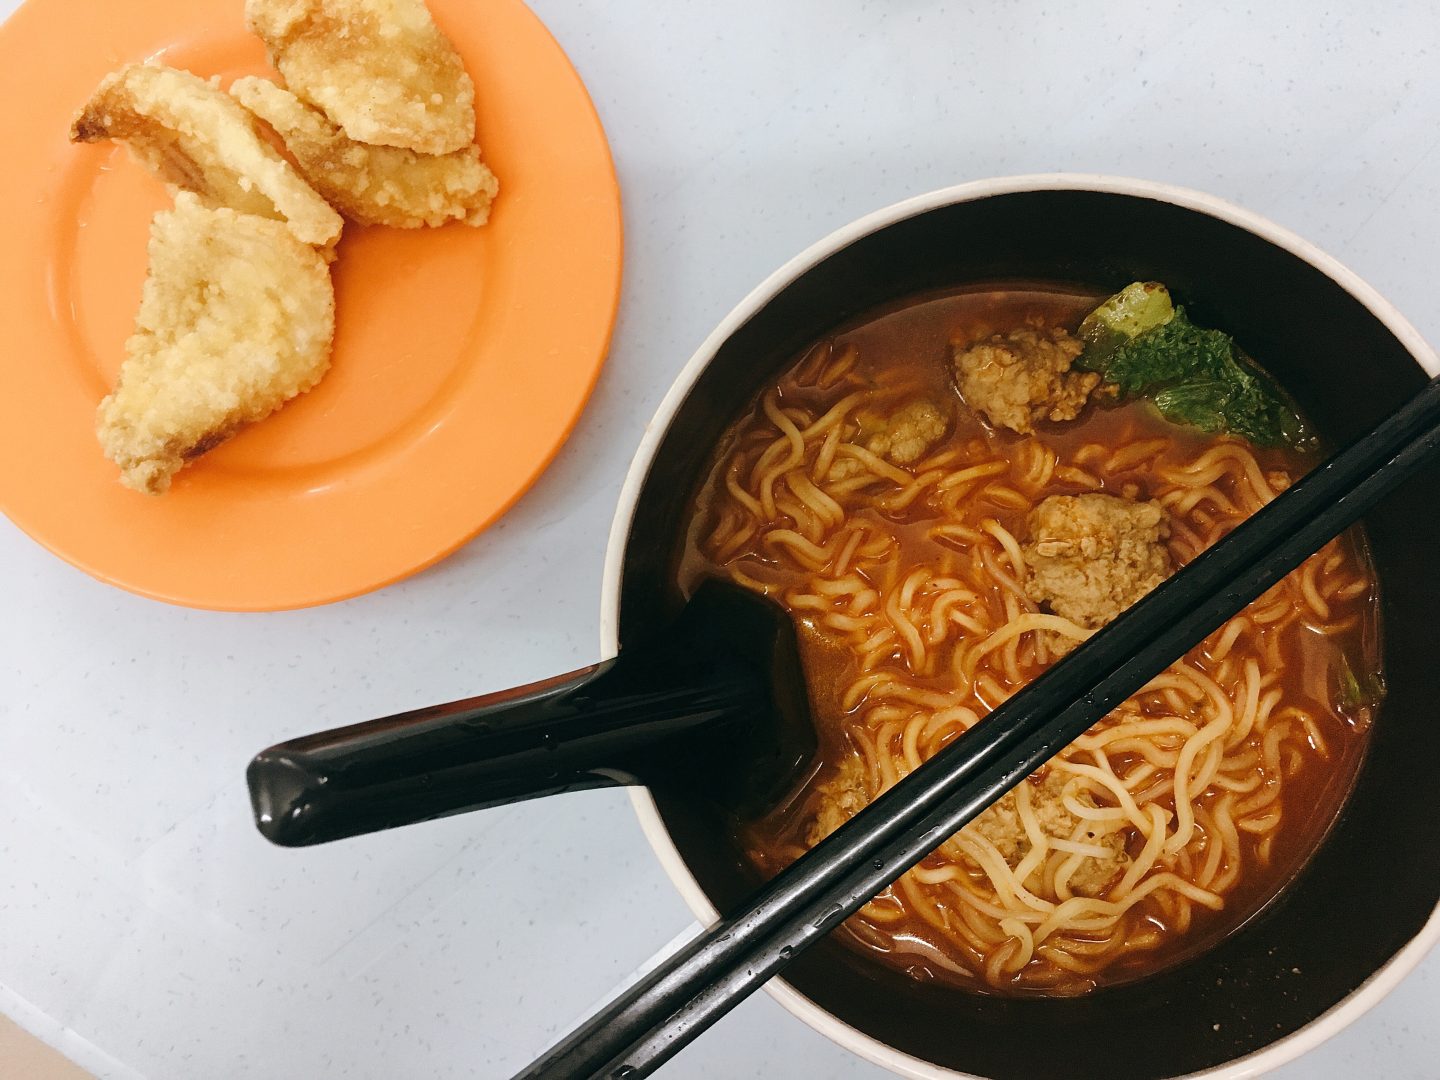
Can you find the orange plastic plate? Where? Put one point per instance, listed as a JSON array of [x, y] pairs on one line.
[[463, 357]]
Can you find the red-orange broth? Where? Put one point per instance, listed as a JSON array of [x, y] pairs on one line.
[[935, 930]]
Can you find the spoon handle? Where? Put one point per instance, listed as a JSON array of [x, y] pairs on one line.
[[595, 727]]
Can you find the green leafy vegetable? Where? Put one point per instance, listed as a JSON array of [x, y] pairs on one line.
[[1140, 306], [1145, 347], [1357, 692]]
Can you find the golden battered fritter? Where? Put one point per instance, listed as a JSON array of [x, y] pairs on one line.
[[373, 185], [380, 69], [194, 136], [236, 319]]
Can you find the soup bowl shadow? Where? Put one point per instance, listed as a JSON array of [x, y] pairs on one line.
[[1366, 906]]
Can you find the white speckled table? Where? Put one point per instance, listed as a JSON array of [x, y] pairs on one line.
[[147, 930]]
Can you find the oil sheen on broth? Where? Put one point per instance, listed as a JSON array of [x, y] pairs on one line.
[[864, 494]]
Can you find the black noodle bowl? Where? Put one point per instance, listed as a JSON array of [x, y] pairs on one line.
[[1362, 910], [1173, 819]]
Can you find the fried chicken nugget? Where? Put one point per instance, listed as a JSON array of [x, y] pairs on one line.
[[381, 69], [373, 185], [194, 136], [236, 318]]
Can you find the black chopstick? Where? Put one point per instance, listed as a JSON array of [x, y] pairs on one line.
[[649, 1023]]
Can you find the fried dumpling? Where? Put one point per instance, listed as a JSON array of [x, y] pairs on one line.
[[380, 69], [196, 137], [236, 318], [373, 185]]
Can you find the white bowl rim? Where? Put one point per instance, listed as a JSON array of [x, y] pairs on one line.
[[1298, 1042]]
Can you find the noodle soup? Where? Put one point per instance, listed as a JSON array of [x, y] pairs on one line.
[[934, 562]]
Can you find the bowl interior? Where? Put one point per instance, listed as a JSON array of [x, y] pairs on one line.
[[1375, 880]]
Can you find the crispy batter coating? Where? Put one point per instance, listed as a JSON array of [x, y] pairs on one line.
[[1091, 556], [373, 185], [1022, 377], [381, 69], [235, 320], [194, 136]]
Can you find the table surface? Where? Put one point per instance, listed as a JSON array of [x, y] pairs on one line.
[[145, 927]]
